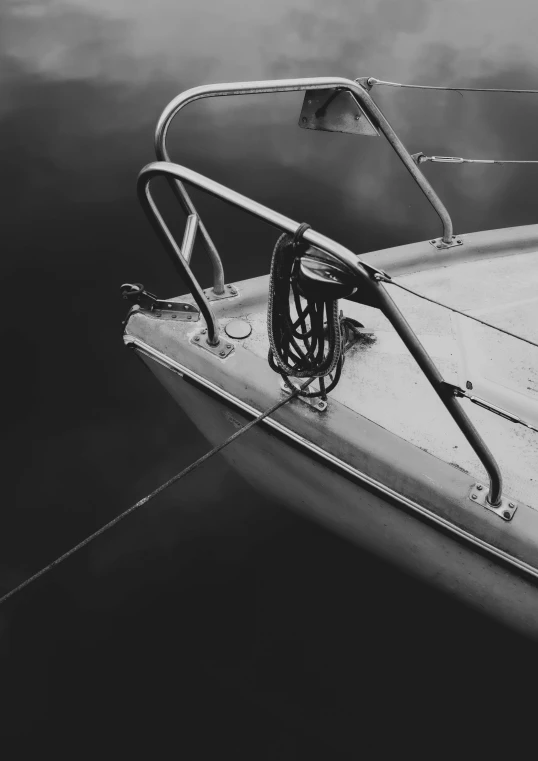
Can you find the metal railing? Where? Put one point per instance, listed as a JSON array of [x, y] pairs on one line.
[[366, 103], [368, 276]]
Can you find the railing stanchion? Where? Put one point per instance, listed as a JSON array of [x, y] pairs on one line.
[[368, 275]]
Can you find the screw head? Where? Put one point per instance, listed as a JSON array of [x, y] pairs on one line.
[[203, 331], [511, 504], [228, 346], [174, 316], [169, 306], [506, 514], [222, 353], [189, 317], [479, 487], [196, 338], [357, 117], [474, 496]]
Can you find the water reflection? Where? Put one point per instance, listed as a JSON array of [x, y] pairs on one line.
[[82, 84]]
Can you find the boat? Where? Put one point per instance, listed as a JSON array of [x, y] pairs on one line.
[[406, 379]]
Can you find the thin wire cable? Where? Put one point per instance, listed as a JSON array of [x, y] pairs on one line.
[[458, 160], [154, 493], [373, 81], [453, 309]]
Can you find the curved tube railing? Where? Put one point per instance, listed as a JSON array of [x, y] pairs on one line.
[[289, 85], [365, 273]]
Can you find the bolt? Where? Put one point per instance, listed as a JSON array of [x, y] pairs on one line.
[[174, 316], [228, 346], [474, 496], [506, 515], [309, 101], [169, 306], [222, 353], [233, 291], [204, 331], [189, 317], [432, 241], [357, 117], [196, 338], [511, 504], [479, 487]]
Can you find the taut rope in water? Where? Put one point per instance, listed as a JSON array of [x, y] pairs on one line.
[[154, 493]]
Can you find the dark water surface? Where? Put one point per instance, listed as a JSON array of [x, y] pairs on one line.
[[213, 623]]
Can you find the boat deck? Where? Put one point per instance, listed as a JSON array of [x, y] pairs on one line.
[[382, 382]]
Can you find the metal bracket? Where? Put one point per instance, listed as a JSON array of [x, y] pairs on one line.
[[365, 83], [166, 310], [312, 401], [229, 292], [441, 244], [504, 510], [335, 111], [221, 350]]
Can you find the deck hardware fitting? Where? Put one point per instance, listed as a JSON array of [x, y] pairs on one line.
[[166, 310], [505, 509], [220, 349], [229, 292], [312, 401], [440, 244]]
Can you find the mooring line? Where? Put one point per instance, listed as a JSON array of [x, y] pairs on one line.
[[155, 492]]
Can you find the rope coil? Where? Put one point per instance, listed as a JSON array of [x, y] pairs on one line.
[[297, 344]]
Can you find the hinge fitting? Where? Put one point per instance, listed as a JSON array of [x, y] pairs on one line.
[[166, 310]]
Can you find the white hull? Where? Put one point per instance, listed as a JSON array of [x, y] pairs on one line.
[[291, 475]]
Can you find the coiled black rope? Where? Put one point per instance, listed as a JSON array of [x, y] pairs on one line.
[[310, 343]]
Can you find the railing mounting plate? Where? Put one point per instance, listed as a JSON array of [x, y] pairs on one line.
[[229, 292], [440, 244], [334, 111], [505, 510], [221, 350]]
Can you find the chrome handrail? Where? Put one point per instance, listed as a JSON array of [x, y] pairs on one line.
[[291, 85], [370, 278]]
